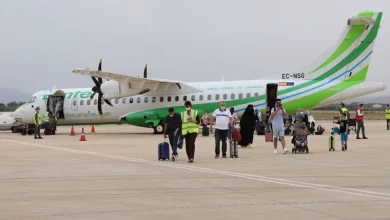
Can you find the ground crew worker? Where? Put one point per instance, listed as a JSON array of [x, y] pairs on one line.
[[223, 120], [360, 123], [388, 116], [46, 120], [343, 109], [190, 128], [38, 123]]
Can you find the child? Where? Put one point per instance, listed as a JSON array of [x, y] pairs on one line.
[[343, 131], [301, 137]]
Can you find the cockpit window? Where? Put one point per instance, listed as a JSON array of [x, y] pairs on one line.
[[33, 98]]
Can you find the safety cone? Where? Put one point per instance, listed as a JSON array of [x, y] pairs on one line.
[[93, 129], [72, 132], [82, 137]]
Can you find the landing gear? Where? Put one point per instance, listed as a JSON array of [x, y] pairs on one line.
[[159, 129]]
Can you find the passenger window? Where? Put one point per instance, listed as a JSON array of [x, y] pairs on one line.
[[224, 96], [146, 99], [74, 103], [124, 101], [193, 98], [240, 96], [153, 99], [208, 97], [176, 98], [169, 98], [232, 96], [161, 99], [116, 101], [256, 95], [88, 102], [81, 102], [217, 97], [184, 98], [201, 97], [95, 102], [131, 100], [138, 100], [248, 95]]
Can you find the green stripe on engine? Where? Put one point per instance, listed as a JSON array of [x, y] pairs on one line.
[[366, 14]]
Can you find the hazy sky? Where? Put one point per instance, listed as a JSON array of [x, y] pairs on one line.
[[42, 41]]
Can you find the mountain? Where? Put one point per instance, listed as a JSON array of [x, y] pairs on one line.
[[10, 95]]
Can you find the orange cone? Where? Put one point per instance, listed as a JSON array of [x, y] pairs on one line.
[[72, 132], [82, 137], [93, 129]]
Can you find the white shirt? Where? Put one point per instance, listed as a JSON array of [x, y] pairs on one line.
[[277, 120], [222, 119], [259, 115]]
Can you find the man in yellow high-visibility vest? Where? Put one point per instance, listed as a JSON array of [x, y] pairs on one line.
[[388, 116], [38, 123], [190, 127]]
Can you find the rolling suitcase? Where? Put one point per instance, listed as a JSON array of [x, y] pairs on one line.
[[163, 151], [205, 131], [235, 136], [331, 143], [268, 136]]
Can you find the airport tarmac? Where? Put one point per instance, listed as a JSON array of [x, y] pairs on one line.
[[115, 174]]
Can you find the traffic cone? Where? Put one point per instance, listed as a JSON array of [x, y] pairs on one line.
[[93, 129], [82, 137], [72, 132]]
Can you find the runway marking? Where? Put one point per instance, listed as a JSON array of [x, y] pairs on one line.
[[299, 184]]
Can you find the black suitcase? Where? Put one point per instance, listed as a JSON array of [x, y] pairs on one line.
[[205, 131]]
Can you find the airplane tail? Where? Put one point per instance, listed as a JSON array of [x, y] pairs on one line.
[[350, 57]]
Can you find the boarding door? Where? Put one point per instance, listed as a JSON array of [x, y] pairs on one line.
[[271, 94]]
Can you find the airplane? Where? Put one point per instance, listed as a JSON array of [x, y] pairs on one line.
[[337, 75]]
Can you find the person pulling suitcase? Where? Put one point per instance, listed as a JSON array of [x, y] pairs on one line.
[[223, 119]]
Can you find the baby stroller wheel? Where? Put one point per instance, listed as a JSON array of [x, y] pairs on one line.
[[307, 150]]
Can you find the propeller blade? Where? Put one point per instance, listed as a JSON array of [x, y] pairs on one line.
[[108, 102], [100, 80], [93, 94], [146, 71], [100, 105], [100, 65], [95, 81]]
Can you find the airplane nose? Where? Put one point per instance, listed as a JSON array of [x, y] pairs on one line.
[[384, 86]]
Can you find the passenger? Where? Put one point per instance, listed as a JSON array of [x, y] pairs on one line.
[[342, 110], [38, 123], [223, 120], [388, 116], [247, 123], [343, 122], [300, 138], [205, 119], [360, 123], [190, 128], [277, 114], [172, 125]]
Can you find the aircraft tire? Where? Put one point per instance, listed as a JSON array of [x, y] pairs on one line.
[[159, 129]]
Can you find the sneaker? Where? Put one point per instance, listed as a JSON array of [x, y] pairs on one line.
[[250, 145], [224, 156], [191, 160], [173, 158], [275, 151], [216, 156], [365, 138], [358, 138], [285, 150]]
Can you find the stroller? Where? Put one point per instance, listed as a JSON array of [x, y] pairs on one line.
[[300, 138]]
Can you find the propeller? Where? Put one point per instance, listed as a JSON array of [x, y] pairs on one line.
[[96, 89], [146, 71]]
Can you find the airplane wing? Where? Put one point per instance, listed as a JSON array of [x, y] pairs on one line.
[[138, 82]]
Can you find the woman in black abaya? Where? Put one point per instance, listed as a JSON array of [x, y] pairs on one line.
[[247, 123]]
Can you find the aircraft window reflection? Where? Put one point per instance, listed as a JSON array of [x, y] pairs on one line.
[[208, 97], [232, 96], [124, 101], [161, 99], [176, 98], [138, 100], [201, 97], [81, 102], [169, 98], [95, 102], [224, 96], [193, 98], [88, 102], [153, 99], [240, 96], [248, 95]]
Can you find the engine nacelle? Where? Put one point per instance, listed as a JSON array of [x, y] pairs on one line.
[[110, 89]]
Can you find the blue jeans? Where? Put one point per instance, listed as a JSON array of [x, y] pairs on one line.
[[173, 139], [344, 137]]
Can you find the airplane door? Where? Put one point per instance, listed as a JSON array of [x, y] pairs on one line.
[[75, 104], [271, 94]]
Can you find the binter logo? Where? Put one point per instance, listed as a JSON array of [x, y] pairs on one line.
[[73, 95]]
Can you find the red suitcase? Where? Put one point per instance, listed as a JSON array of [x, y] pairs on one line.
[[268, 136]]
